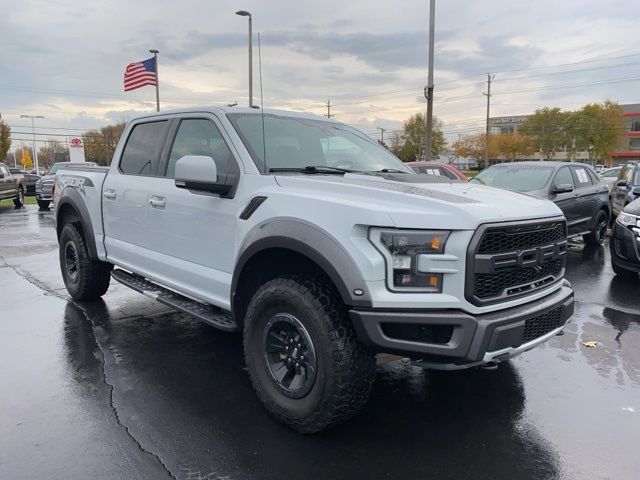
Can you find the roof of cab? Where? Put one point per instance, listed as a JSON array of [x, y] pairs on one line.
[[224, 110]]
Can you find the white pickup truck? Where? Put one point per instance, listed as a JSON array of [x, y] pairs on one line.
[[318, 245]]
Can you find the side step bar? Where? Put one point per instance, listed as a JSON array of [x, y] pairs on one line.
[[202, 311]]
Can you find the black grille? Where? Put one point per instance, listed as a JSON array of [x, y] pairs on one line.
[[505, 240], [542, 324], [514, 259], [489, 285]]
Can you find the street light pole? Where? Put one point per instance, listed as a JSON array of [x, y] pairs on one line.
[[33, 131], [244, 13], [429, 89]]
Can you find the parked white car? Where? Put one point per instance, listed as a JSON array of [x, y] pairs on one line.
[[319, 245]]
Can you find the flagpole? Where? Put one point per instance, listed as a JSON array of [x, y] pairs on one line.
[[155, 55]]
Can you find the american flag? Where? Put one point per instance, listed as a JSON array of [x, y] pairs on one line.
[[139, 74]]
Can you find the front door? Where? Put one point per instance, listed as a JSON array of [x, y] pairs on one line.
[[195, 232], [587, 205], [619, 195], [5, 183], [566, 201]]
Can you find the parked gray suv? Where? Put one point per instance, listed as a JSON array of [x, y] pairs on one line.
[[580, 193]]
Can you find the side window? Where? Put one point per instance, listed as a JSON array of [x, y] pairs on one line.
[[198, 136], [449, 173], [4, 170], [581, 177], [141, 154], [563, 177], [629, 176]]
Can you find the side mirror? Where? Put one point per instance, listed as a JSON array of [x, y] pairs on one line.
[[563, 188], [621, 183], [1, 175], [636, 191], [199, 173]]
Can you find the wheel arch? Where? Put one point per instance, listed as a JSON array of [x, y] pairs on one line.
[[288, 246], [70, 207]]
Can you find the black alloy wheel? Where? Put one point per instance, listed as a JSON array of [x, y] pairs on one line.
[[289, 355], [71, 261], [599, 232]]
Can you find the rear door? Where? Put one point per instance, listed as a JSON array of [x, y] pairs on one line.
[[566, 201], [587, 203], [126, 196]]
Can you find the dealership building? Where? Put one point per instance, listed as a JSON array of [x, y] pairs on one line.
[[627, 150]]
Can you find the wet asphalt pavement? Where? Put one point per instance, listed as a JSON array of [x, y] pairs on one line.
[[126, 388]]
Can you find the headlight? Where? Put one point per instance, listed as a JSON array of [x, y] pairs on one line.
[[38, 183], [402, 251], [627, 219]]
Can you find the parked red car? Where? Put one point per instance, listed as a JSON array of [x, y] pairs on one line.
[[441, 169]]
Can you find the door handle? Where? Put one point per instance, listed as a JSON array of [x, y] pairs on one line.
[[158, 202], [111, 194]]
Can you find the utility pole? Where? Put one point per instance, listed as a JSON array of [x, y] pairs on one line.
[[329, 109], [428, 90], [486, 136], [382, 130]]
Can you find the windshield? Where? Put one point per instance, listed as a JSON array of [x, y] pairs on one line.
[[292, 142], [611, 173], [519, 178], [53, 169]]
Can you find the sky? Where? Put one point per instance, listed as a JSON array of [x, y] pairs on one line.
[[65, 59]]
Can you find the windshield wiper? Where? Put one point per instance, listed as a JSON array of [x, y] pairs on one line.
[[389, 170], [313, 169]]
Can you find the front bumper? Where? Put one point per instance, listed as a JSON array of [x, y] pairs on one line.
[[453, 339], [625, 247]]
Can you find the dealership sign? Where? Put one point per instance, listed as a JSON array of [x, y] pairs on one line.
[[76, 150]]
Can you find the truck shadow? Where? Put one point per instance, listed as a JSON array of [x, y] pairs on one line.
[[181, 389]]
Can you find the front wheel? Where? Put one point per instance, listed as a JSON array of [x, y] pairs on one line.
[[19, 200], [43, 204], [622, 272], [84, 277], [599, 231], [304, 359]]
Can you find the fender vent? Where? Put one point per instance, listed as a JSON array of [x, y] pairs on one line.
[[252, 207]]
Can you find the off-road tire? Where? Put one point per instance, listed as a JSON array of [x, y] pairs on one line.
[[345, 367], [43, 204], [599, 232], [92, 276], [19, 200], [622, 272]]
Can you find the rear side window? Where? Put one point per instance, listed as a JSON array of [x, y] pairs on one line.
[[141, 154], [582, 177]]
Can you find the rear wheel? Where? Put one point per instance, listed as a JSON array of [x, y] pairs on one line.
[[43, 204], [19, 200], [85, 278], [599, 231], [304, 359]]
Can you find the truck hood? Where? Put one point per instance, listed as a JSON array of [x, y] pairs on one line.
[[416, 201]]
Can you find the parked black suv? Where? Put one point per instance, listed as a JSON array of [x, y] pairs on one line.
[[579, 192], [625, 241]]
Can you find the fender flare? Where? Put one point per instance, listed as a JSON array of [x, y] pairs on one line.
[[72, 198], [312, 242]]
